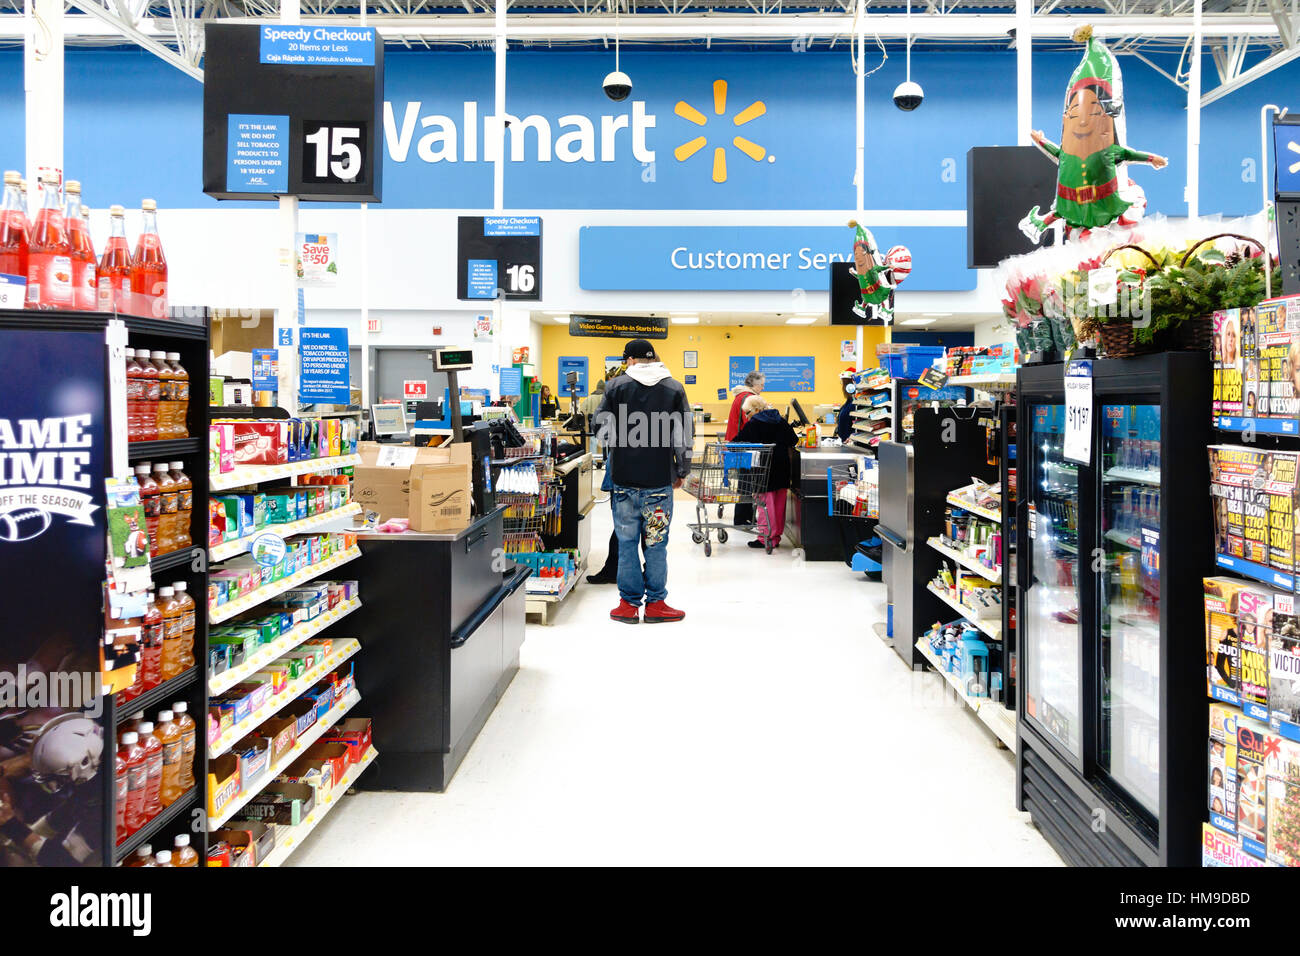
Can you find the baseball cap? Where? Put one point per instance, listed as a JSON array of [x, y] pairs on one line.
[[638, 349]]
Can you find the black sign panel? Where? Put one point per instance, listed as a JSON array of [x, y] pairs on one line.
[[1002, 184], [293, 111], [619, 326], [498, 256], [845, 293]]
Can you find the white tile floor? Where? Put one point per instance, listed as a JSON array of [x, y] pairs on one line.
[[770, 727]]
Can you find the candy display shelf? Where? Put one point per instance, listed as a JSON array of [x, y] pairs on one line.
[[296, 835], [222, 682], [990, 626], [988, 513], [256, 474], [991, 574], [346, 649], [237, 546], [224, 612], [313, 734]]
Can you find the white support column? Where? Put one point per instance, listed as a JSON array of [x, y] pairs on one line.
[[286, 299], [860, 170], [1024, 71], [43, 85], [499, 169], [364, 375], [1193, 188]]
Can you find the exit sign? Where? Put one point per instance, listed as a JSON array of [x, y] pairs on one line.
[[374, 325], [413, 390]]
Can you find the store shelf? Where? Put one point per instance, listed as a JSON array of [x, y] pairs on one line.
[[237, 546], [991, 712], [172, 449], [314, 733], [347, 649], [992, 627], [67, 321], [147, 832], [296, 835], [975, 509], [172, 559], [256, 474], [952, 680], [225, 612], [987, 383], [992, 574], [1125, 540], [1249, 569], [165, 693], [1146, 476], [1261, 426], [222, 682]]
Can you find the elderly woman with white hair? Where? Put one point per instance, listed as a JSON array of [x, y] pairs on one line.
[[752, 385], [765, 426]]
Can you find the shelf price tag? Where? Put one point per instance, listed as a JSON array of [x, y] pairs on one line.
[[1078, 411]]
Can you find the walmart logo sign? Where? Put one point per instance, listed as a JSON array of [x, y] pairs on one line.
[[751, 112]]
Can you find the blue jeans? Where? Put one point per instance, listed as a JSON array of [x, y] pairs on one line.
[[641, 519]]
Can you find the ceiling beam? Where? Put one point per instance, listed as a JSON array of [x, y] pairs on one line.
[[133, 33], [1261, 68]]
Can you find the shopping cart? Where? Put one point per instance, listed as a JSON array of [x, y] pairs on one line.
[[853, 496], [728, 473]]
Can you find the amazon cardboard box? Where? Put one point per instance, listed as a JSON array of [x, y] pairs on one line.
[[440, 491]]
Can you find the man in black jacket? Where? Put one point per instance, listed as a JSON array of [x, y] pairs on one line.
[[646, 420]]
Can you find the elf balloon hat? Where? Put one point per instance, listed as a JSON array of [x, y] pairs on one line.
[[1098, 69], [863, 235]]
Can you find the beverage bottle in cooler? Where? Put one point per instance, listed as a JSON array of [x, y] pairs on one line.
[[114, 274], [150, 502], [123, 793], [163, 858], [170, 735], [13, 229], [153, 758], [189, 742], [149, 400], [182, 395], [133, 756], [168, 516], [166, 395], [185, 505], [135, 389], [151, 644], [185, 650], [149, 265], [173, 632], [184, 854], [49, 255], [84, 288], [143, 856]]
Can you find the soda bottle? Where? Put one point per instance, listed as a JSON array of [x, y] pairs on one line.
[[153, 769], [170, 735], [123, 791], [149, 265], [182, 396], [166, 395], [149, 374], [185, 650], [184, 854], [13, 228], [143, 856], [189, 741], [135, 389], [84, 289], [151, 644], [168, 513], [133, 756], [49, 255], [114, 274], [151, 504], [163, 858], [173, 632], [185, 505]]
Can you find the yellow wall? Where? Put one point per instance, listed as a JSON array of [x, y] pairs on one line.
[[715, 349]]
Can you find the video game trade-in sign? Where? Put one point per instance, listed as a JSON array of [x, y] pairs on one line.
[[499, 256]]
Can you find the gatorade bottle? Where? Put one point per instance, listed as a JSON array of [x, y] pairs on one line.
[[123, 791], [149, 265], [185, 650], [184, 506], [182, 397], [84, 290], [133, 756], [151, 644], [114, 274], [153, 757], [168, 512], [163, 858], [149, 397], [143, 856], [13, 228], [135, 388], [184, 854], [49, 256], [151, 503], [173, 752], [189, 741], [173, 633], [166, 395]]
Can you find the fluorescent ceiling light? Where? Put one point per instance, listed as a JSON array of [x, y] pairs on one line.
[[562, 318], [938, 315], [918, 322], [686, 320], [801, 320]]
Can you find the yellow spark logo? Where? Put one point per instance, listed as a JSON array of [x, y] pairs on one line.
[[751, 112]]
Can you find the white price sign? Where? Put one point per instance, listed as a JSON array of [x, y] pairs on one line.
[[13, 292], [1078, 411]]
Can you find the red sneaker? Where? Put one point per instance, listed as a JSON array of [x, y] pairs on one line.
[[660, 613], [626, 613]]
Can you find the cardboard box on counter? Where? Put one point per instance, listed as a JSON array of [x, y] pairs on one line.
[[431, 486]]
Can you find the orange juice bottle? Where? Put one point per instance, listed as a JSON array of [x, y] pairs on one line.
[[168, 513], [163, 858], [166, 395], [149, 398], [173, 632], [184, 506], [189, 740], [182, 395], [151, 644], [153, 758], [173, 754], [143, 856], [184, 854], [185, 650], [149, 265], [151, 504]]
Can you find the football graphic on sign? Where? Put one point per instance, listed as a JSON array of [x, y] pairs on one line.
[[23, 524]]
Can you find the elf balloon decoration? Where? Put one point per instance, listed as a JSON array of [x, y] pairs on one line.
[[1092, 185], [877, 276]]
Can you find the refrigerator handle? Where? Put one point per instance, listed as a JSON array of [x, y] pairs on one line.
[[1023, 544]]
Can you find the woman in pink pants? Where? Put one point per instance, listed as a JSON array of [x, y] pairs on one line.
[[765, 426]]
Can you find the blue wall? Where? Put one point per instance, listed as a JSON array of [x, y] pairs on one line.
[[134, 129]]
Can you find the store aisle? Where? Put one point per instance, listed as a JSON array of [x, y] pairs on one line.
[[770, 727]]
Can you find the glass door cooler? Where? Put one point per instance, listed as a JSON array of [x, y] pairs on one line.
[[1111, 553]]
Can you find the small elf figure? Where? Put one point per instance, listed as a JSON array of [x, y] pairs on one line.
[[1092, 184], [877, 276]]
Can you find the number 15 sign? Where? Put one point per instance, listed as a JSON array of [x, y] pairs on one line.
[[1078, 411]]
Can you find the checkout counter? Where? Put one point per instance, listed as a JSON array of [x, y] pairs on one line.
[[821, 535]]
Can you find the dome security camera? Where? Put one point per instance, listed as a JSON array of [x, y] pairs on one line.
[[908, 96], [617, 86]]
